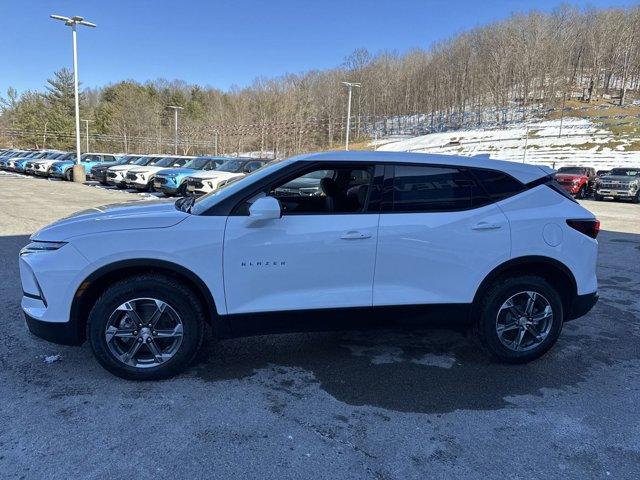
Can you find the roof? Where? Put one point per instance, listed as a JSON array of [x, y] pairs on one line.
[[522, 171]]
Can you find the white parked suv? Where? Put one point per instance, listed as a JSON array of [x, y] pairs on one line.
[[207, 181], [391, 239]]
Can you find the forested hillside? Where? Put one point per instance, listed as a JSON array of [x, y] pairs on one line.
[[517, 67]]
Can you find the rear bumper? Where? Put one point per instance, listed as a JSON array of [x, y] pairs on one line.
[[62, 333], [582, 304]]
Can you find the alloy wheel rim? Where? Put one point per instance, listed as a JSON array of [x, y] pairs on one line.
[[144, 332], [524, 321]]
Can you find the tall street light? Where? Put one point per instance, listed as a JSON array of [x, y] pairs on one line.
[[73, 22], [175, 124], [350, 86]]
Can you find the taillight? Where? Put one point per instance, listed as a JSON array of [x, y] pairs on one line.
[[589, 227]]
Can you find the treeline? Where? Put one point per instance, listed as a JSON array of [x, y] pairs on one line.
[[528, 61]]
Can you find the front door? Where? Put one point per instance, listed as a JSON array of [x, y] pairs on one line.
[[319, 254]]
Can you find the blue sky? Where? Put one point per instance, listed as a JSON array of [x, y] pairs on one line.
[[221, 43]]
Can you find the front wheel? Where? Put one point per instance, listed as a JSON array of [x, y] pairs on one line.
[[146, 327], [520, 318], [582, 193], [597, 197], [68, 175], [636, 198]]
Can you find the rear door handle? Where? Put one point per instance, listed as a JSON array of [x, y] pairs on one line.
[[355, 235], [486, 226]]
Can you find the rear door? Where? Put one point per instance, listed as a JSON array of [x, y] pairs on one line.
[[440, 234]]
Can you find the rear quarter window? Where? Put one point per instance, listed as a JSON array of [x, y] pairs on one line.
[[498, 185]]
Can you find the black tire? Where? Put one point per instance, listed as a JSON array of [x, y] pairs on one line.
[[182, 191], [68, 175], [636, 199], [597, 197], [169, 290], [582, 193], [503, 289]]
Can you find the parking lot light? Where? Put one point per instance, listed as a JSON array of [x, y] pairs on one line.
[[73, 22], [175, 124], [350, 86]]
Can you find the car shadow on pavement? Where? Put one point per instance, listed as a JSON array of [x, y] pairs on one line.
[[437, 371]]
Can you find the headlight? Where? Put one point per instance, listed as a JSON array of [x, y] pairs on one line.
[[575, 182], [38, 246]]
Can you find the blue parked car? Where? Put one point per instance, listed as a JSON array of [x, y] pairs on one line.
[[8, 155], [172, 181], [64, 169]]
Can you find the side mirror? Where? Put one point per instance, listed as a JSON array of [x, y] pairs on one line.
[[265, 208]]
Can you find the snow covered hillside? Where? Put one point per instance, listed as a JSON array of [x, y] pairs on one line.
[[582, 142]]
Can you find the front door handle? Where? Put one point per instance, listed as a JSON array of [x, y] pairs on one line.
[[486, 226], [355, 235]]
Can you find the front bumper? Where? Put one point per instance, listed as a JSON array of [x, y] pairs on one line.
[[581, 305], [68, 333], [609, 192]]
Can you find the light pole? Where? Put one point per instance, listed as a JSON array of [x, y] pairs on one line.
[[86, 130], [350, 86], [175, 124], [73, 22]]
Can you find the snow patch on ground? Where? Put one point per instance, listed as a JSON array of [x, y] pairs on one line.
[[52, 358]]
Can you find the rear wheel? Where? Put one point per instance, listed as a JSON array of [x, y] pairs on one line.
[[520, 318], [146, 327]]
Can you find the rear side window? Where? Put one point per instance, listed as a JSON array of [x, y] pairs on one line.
[[435, 189], [497, 184]]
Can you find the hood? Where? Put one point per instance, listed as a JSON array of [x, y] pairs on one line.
[[214, 174], [141, 169], [176, 171], [120, 168], [48, 161], [125, 216]]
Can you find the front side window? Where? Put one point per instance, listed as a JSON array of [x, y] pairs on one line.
[[434, 189], [322, 191]]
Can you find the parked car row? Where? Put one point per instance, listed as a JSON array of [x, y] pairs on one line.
[[617, 183], [169, 174]]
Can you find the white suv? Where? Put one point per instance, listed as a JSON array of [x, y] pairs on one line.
[[388, 239]]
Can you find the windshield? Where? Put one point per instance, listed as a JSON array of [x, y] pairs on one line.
[[625, 172], [144, 160], [168, 161], [232, 166], [67, 156], [572, 170], [128, 159], [198, 163]]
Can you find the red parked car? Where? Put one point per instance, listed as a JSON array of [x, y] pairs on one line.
[[578, 181]]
